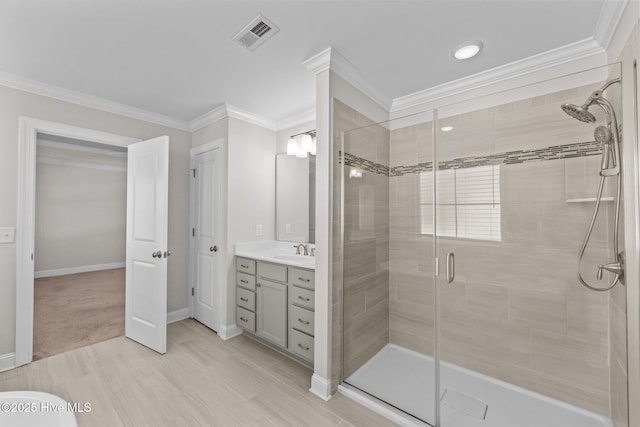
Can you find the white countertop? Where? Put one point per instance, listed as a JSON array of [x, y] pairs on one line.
[[276, 251]]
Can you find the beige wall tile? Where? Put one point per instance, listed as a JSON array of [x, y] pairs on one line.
[[538, 309], [487, 300], [578, 361]]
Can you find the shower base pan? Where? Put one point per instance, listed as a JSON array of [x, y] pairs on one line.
[[404, 379]]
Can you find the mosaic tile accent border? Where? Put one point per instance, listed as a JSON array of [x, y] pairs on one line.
[[555, 152], [365, 165]]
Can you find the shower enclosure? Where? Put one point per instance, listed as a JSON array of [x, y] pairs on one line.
[[457, 232]]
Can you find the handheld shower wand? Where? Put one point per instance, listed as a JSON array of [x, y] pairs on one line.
[[608, 136]]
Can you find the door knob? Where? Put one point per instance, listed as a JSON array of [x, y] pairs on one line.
[[213, 249], [167, 254], [157, 254]]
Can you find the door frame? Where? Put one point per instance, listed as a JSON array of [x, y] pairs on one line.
[[217, 144], [25, 221]]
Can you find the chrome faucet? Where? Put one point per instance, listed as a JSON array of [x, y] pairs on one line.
[[303, 246]]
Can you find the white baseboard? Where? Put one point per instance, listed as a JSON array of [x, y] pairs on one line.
[[7, 361], [321, 387], [75, 270], [178, 315], [228, 332]]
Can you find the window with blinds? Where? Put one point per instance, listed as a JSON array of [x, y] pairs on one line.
[[467, 203]]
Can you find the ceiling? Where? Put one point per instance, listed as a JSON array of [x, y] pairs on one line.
[[176, 57]]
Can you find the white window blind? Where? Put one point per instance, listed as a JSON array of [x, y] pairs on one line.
[[467, 203]]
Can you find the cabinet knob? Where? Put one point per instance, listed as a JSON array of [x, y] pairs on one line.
[[215, 249]]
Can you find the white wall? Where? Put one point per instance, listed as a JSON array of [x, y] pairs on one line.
[[250, 192], [13, 104], [80, 217]]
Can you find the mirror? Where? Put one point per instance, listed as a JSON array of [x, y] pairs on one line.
[[295, 198]]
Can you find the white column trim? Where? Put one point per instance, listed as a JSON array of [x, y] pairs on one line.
[[321, 387]]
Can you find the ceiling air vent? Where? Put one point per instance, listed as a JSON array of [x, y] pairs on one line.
[[256, 32]]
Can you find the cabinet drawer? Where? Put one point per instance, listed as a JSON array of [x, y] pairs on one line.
[[301, 319], [302, 297], [245, 319], [246, 265], [246, 299], [245, 280], [303, 278], [273, 272], [301, 344]]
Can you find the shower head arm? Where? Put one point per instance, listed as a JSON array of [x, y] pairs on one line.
[[609, 83]]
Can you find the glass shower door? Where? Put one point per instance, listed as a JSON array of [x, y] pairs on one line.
[[387, 278], [520, 342]]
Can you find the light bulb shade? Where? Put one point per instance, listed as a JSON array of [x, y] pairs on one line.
[[313, 148], [301, 153], [292, 147], [306, 142]]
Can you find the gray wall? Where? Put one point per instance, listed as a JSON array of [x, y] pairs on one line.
[[81, 210]]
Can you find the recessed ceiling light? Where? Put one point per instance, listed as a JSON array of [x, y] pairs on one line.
[[446, 128], [467, 50]]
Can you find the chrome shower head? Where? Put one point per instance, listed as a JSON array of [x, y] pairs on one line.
[[602, 134], [579, 113]]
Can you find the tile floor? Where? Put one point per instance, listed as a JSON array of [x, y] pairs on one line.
[[201, 381]]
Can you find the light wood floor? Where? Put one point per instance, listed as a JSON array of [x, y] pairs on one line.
[[77, 310], [201, 381]]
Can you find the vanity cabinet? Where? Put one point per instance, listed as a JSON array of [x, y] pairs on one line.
[[246, 294], [271, 312], [276, 303]]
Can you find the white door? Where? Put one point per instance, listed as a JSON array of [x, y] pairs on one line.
[[207, 240], [146, 277]]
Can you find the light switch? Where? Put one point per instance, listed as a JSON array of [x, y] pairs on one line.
[[258, 229], [287, 229], [7, 234]]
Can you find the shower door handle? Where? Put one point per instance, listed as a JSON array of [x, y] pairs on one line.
[[450, 263]]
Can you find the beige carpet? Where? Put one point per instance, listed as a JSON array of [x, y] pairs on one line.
[[77, 310]]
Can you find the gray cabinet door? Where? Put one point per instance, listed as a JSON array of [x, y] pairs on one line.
[[271, 312]]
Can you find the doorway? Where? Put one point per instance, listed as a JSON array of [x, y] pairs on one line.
[[146, 227], [207, 237], [80, 230]]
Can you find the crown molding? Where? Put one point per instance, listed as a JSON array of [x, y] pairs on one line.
[[225, 111], [208, 118], [608, 21], [319, 62], [249, 117], [80, 164], [300, 118], [42, 141], [571, 52], [67, 95], [331, 59]]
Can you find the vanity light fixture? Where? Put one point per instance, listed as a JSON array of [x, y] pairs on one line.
[[302, 144], [314, 147], [292, 147], [446, 128], [467, 50]]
